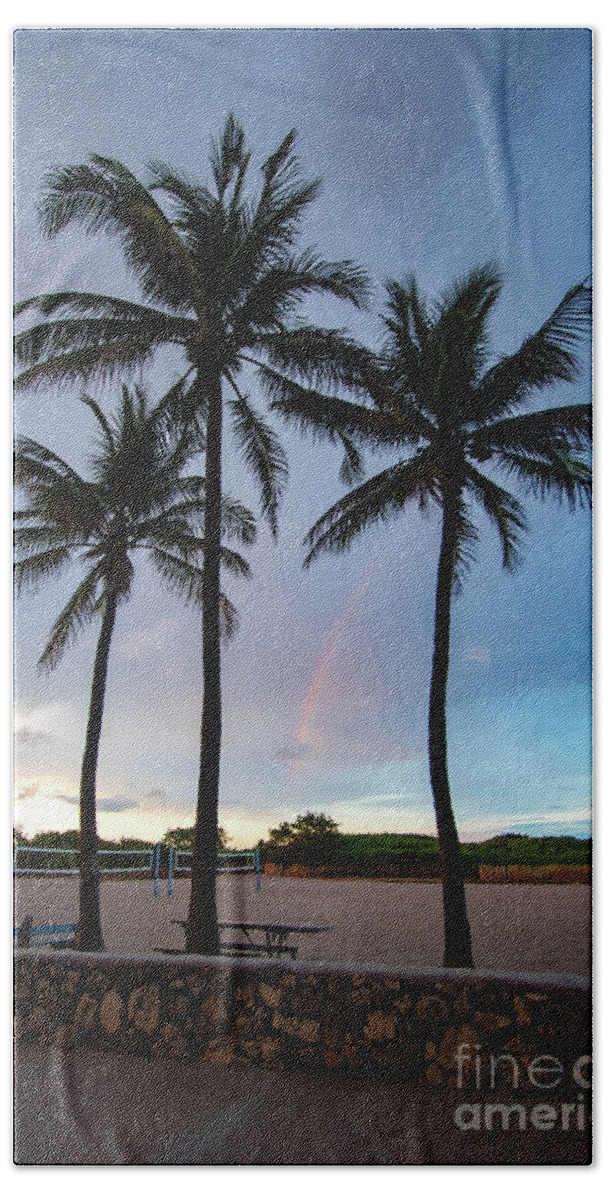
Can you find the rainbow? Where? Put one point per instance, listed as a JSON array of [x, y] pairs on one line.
[[315, 686]]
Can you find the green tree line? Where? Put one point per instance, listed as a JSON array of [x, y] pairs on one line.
[[314, 839], [326, 846]]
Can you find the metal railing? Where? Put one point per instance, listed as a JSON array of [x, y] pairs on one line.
[[253, 864], [51, 851]]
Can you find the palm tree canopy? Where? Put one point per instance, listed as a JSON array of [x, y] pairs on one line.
[[138, 498], [433, 392], [218, 271]]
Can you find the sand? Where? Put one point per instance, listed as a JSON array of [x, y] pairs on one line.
[[518, 927]]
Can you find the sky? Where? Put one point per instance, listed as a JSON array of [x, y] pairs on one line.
[[437, 150]]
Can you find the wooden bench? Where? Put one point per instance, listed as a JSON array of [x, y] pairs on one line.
[[273, 947], [28, 935], [255, 950], [237, 950]]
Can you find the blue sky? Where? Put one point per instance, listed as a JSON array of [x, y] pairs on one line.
[[437, 150]]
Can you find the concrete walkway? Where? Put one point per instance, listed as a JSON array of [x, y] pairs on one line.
[[116, 1110]]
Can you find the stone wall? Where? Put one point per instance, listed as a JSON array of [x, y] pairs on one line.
[[398, 1025]]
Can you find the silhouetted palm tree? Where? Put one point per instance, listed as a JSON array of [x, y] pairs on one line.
[[221, 277], [433, 392], [136, 499]]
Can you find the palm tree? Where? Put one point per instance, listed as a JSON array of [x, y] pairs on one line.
[[433, 394], [136, 499], [221, 277], [184, 572]]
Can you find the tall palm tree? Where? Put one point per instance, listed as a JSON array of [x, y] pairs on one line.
[[456, 421], [221, 277], [136, 499]]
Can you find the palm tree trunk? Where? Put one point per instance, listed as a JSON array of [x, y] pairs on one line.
[[90, 936], [458, 950], [202, 935]]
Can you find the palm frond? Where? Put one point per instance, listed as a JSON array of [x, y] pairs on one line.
[[199, 221], [565, 427], [228, 155], [182, 402], [191, 512], [35, 567], [352, 469], [238, 522], [102, 420], [183, 577], [320, 357], [78, 611], [503, 510], [456, 347], [229, 618], [322, 415], [262, 452], [104, 195], [263, 233], [31, 455], [170, 531], [90, 304], [42, 537], [407, 318], [54, 338], [101, 363], [548, 355], [234, 562], [284, 196], [464, 552], [556, 474], [407, 335], [378, 499]]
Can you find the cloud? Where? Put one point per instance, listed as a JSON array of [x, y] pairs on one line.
[[41, 727], [556, 817], [116, 804], [28, 791], [158, 793], [109, 804], [32, 739], [478, 654], [502, 823], [294, 753], [143, 643]]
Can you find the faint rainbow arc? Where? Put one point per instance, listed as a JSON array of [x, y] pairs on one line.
[[318, 676]]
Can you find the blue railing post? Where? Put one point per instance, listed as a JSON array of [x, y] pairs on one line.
[[156, 868], [170, 883], [258, 878]]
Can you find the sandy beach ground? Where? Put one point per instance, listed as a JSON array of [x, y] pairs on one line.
[[518, 927]]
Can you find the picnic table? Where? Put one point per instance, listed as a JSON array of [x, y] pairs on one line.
[[275, 938]]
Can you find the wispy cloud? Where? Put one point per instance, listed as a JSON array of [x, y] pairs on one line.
[[294, 753], [42, 724], [505, 823], [109, 804], [30, 738], [147, 643], [478, 654], [28, 791]]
